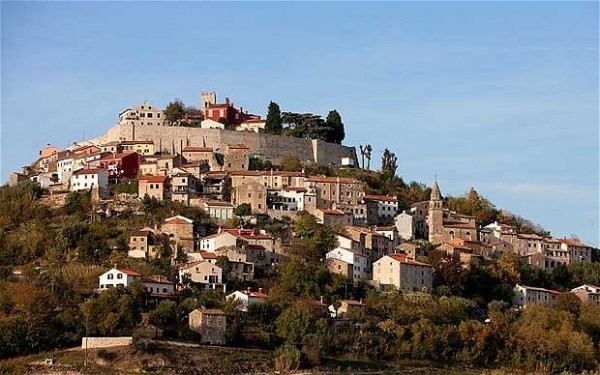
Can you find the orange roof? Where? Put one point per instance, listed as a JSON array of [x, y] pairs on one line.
[[158, 179], [294, 188], [540, 289], [404, 259], [208, 255], [128, 271], [247, 234], [251, 293], [137, 142]]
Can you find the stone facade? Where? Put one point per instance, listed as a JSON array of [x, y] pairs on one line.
[[404, 273], [211, 324], [266, 146], [252, 193]]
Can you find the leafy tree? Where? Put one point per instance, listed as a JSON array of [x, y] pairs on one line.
[[225, 264], [164, 315], [174, 112], [274, 123], [291, 163], [224, 121], [448, 270], [295, 323], [244, 209], [334, 122], [313, 233], [389, 163]]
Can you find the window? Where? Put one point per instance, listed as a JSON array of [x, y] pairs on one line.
[[110, 276], [165, 290], [119, 276]]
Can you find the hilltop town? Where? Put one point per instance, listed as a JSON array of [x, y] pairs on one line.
[[268, 232]]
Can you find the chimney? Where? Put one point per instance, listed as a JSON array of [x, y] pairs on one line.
[[321, 299], [227, 100], [260, 290]]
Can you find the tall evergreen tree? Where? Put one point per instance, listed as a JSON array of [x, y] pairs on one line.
[[336, 126], [389, 162], [274, 122]]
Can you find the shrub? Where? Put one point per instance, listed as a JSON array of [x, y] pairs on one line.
[[287, 358]]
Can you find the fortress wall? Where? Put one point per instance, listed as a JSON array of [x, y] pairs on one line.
[[267, 146]]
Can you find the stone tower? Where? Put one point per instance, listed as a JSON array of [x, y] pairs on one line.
[[436, 215], [206, 98]]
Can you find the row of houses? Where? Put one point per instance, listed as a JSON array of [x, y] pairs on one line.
[[524, 296]]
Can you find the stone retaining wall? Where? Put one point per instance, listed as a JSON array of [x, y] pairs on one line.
[[105, 342]]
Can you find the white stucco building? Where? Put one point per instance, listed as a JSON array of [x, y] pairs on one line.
[[85, 179]]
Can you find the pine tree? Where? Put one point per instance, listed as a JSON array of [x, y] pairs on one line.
[[274, 122], [336, 126]]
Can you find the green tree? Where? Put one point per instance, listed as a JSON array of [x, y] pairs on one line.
[[225, 264], [244, 209], [274, 123], [336, 127], [174, 112], [164, 315], [291, 163]]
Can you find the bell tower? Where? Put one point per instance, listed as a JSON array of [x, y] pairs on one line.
[[436, 215], [207, 98]]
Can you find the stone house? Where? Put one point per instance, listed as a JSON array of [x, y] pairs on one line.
[[142, 244], [158, 187], [141, 147], [142, 115], [183, 187], [180, 229], [202, 272], [361, 265], [333, 217], [527, 295], [211, 324], [336, 190], [404, 273], [236, 157], [588, 294], [381, 209], [251, 193]]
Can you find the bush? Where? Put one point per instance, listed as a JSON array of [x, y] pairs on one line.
[[287, 358], [106, 355]]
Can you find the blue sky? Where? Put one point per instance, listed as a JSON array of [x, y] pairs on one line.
[[499, 96]]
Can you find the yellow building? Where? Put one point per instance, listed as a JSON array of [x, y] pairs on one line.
[[141, 147]]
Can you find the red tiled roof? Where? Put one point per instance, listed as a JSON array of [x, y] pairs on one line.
[[208, 255], [158, 179], [253, 120], [253, 293], [128, 271], [404, 259]]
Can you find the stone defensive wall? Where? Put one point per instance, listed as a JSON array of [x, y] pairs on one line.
[[265, 146]]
